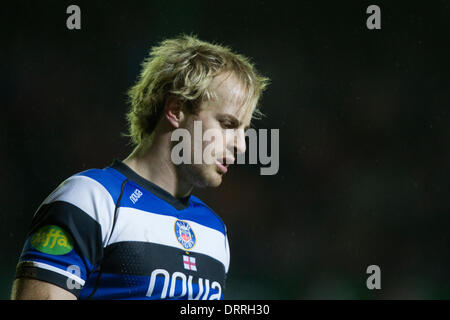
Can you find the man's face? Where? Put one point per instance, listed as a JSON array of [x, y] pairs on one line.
[[225, 111]]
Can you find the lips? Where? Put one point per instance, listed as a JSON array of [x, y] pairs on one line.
[[223, 168], [224, 163]]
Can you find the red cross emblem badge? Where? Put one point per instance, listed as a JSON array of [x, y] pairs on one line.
[[189, 263]]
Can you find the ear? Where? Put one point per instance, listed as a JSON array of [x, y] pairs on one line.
[[173, 111]]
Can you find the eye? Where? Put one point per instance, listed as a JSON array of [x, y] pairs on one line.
[[227, 124]]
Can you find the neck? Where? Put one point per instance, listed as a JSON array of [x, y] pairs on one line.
[[154, 164]]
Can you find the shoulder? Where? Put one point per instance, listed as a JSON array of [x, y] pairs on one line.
[[106, 180], [207, 215], [91, 184], [91, 193]]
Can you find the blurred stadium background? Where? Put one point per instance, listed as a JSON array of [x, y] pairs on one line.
[[364, 134]]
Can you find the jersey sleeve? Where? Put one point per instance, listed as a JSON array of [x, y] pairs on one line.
[[67, 234]]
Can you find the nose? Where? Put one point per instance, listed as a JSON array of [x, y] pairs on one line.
[[239, 142]]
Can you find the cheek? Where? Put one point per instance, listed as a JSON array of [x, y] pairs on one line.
[[213, 136], [215, 143]]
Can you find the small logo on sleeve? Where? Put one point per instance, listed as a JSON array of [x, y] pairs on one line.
[[52, 240], [185, 235]]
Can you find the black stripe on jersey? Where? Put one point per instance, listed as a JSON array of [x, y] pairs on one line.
[[86, 232], [142, 258], [25, 270]]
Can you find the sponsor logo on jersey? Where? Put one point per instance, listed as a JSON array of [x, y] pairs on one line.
[[164, 285], [52, 240], [185, 235]]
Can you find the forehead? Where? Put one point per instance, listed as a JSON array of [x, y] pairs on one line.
[[229, 95]]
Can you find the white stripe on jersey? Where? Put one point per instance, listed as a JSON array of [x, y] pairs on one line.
[[137, 225], [90, 196], [227, 261], [51, 268]]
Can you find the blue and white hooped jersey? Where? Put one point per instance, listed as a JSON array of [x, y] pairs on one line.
[[111, 234]]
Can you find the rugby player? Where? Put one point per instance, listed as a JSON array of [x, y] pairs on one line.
[[133, 230]]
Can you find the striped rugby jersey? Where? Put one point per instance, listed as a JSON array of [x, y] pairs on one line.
[[111, 234]]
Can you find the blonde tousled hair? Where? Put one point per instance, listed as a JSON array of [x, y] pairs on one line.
[[184, 67]]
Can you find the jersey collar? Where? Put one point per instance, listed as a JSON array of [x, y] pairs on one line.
[[178, 203]]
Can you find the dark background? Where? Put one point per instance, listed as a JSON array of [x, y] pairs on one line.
[[364, 133]]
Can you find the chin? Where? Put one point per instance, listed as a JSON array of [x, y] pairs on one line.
[[217, 181], [210, 179], [205, 176]]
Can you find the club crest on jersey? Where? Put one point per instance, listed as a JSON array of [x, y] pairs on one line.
[[185, 235]]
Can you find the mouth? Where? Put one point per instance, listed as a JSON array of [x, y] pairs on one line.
[[223, 168], [223, 164]]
